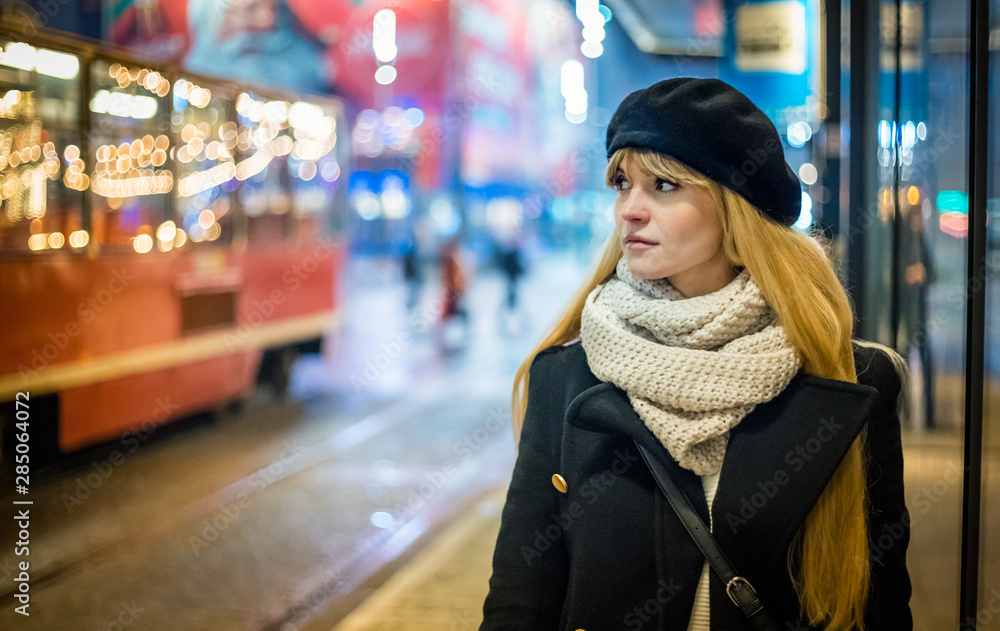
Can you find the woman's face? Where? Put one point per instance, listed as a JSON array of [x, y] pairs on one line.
[[681, 229]]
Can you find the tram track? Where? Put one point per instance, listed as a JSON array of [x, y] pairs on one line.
[[333, 595], [311, 456], [417, 403]]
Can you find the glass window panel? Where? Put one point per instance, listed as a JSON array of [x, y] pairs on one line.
[[989, 585], [313, 166], [264, 140], [930, 175], [132, 183], [205, 163], [42, 172], [915, 201], [877, 320]]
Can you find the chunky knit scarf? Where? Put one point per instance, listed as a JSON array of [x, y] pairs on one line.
[[692, 367]]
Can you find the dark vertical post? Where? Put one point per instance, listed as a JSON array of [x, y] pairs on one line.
[[864, 21], [976, 305], [831, 126], [897, 133]]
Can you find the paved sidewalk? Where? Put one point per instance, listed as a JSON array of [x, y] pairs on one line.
[[445, 586]]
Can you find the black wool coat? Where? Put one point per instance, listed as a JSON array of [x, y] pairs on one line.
[[606, 552]]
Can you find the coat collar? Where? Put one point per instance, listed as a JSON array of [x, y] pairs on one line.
[[778, 460]]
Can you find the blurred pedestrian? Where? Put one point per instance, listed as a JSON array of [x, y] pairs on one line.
[[918, 274], [412, 273], [453, 281], [513, 267]]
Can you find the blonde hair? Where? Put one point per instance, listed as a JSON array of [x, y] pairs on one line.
[[828, 560]]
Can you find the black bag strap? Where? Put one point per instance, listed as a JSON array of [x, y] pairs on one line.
[[739, 589]]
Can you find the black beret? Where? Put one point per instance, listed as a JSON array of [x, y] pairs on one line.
[[714, 128]]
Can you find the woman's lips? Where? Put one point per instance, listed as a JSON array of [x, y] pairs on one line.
[[639, 245]]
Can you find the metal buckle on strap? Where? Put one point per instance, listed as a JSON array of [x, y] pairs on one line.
[[732, 582]]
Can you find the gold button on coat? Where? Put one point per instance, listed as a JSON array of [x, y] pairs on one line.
[[559, 482]]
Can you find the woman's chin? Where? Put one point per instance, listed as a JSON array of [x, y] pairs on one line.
[[644, 272]]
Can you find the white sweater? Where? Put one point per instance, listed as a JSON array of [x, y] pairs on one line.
[[700, 618]]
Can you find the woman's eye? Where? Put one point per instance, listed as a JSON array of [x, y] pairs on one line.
[[665, 185], [621, 184]]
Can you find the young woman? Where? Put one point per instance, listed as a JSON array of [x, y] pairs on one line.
[[719, 339]]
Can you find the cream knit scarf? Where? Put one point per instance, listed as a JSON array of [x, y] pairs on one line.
[[692, 367]]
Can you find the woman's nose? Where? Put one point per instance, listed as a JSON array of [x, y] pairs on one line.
[[634, 206]]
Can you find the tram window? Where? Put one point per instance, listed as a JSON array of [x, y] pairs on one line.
[[132, 183], [205, 162], [315, 173], [264, 142], [41, 169]]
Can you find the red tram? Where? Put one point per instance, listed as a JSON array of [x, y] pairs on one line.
[[164, 238]]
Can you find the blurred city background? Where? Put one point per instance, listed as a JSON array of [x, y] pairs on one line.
[[267, 268]]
